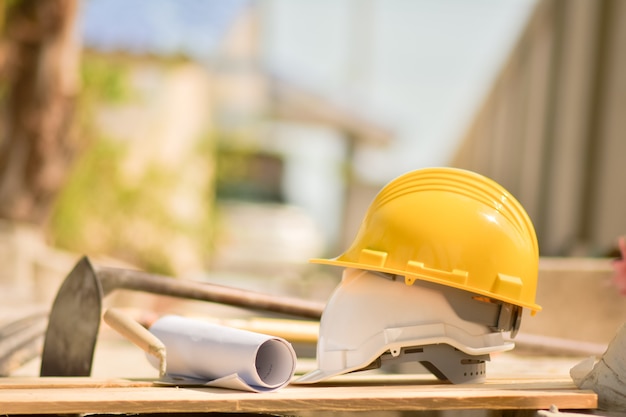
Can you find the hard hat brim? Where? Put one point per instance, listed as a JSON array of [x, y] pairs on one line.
[[534, 308]]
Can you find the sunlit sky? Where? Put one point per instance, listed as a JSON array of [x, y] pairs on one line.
[[420, 66]]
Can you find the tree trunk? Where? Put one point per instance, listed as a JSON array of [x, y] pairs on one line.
[[41, 56]]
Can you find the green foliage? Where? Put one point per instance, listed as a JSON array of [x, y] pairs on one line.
[[92, 187], [105, 210], [103, 81], [5, 7], [101, 212]]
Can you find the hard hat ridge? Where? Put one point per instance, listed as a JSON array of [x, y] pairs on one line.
[[462, 182]]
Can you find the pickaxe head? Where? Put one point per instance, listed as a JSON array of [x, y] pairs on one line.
[[73, 324]]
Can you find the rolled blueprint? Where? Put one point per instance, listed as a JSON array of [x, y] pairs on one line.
[[203, 353]]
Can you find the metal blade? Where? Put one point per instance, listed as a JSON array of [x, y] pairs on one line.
[[73, 324]]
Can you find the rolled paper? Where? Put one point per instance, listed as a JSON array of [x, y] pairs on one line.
[[199, 352]]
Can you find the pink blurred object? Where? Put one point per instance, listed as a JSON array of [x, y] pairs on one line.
[[619, 266]]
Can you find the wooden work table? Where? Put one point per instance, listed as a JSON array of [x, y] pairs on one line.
[[350, 393], [124, 383]]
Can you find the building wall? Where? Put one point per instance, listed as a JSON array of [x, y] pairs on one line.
[[551, 128]]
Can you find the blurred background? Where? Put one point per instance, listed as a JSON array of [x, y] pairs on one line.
[[234, 140]]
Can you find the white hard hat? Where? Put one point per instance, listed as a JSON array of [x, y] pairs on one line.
[[373, 317]]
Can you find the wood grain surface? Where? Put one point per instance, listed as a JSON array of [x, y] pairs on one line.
[[31, 395]]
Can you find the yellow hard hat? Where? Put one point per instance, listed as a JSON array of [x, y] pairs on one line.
[[452, 227]]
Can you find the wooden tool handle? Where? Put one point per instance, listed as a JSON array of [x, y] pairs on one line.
[[119, 278], [137, 334]]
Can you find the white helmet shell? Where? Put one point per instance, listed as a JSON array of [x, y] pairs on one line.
[[372, 316]]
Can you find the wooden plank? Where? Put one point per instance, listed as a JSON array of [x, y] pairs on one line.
[[356, 379], [347, 394], [70, 382]]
